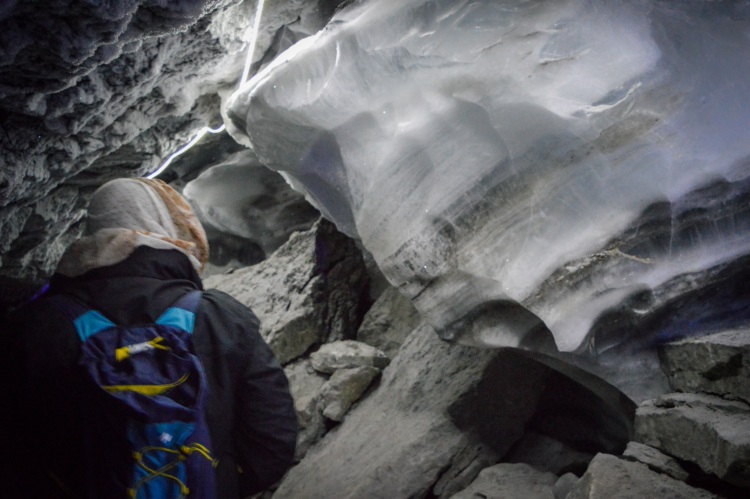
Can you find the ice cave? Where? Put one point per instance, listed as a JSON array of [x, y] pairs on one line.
[[537, 212]]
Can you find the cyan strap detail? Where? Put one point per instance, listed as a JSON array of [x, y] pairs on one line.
[[90, 323], [178, 317]]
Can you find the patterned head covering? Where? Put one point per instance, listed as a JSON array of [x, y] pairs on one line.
[[130, 212]]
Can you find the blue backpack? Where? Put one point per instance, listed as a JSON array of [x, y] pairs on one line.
[[149, 379]]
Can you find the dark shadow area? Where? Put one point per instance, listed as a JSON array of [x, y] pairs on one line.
[[523, 392]]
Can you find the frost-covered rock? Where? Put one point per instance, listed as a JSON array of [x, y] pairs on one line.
[[306, 293], [718, 364], [609, 476], [347, 354], [580, 164], [511, 480], [707, 430]]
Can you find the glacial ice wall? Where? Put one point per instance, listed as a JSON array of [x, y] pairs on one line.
[[517, 166]]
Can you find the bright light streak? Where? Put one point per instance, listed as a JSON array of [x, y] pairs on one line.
[[203, 131], [245, 73], [253, 41]]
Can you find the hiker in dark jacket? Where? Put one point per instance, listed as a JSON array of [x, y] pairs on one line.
[[143, 249]]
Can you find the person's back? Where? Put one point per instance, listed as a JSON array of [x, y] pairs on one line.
[[141, 255]]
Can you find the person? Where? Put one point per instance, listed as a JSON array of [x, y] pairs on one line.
[[142, 249]]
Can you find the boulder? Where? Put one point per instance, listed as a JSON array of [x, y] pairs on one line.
[[399, 440], [611, 477], [655, 460], [707, 430], [511, 480], [309, 291], [390, 319], [718, 364], [347, 354]]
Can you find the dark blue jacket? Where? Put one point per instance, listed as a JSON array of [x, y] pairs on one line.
[[250, 410]]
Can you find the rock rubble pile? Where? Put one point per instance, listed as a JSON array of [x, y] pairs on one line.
[[387, 410]]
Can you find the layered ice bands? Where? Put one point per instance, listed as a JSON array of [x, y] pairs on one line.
[[517, 166]]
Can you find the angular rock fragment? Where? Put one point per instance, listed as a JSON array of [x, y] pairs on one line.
[[609, 476], [397, 441], [344, 388], [308, 291], [347, 354], [305, 385], [564, 485], [718, 364], [390, 319], [510, 480], [707, 430], [655, 460]]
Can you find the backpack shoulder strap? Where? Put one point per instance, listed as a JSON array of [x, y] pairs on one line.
[[87, 322], [182, 313]]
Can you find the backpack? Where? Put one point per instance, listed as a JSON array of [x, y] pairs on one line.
[[150, 383]]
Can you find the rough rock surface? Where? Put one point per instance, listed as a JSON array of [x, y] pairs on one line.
[[305, 385], [704, 429], [718, 364], [511, 480], [95, 90], [390, 319], [309, 292], [655, 460], [344, 388], [347, 354], [611, 477], [399, 439], [439, 415]]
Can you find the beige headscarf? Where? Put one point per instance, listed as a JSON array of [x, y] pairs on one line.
[[130, 212]]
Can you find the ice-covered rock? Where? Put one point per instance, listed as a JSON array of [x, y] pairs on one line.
[[240, 196], [514, 165]]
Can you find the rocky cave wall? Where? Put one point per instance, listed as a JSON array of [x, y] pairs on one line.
[[95, 90]]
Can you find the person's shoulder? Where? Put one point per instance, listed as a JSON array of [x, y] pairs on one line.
[[223, 301], [227, 313]]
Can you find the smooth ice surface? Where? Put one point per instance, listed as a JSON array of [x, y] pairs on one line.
[[577, 158]]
